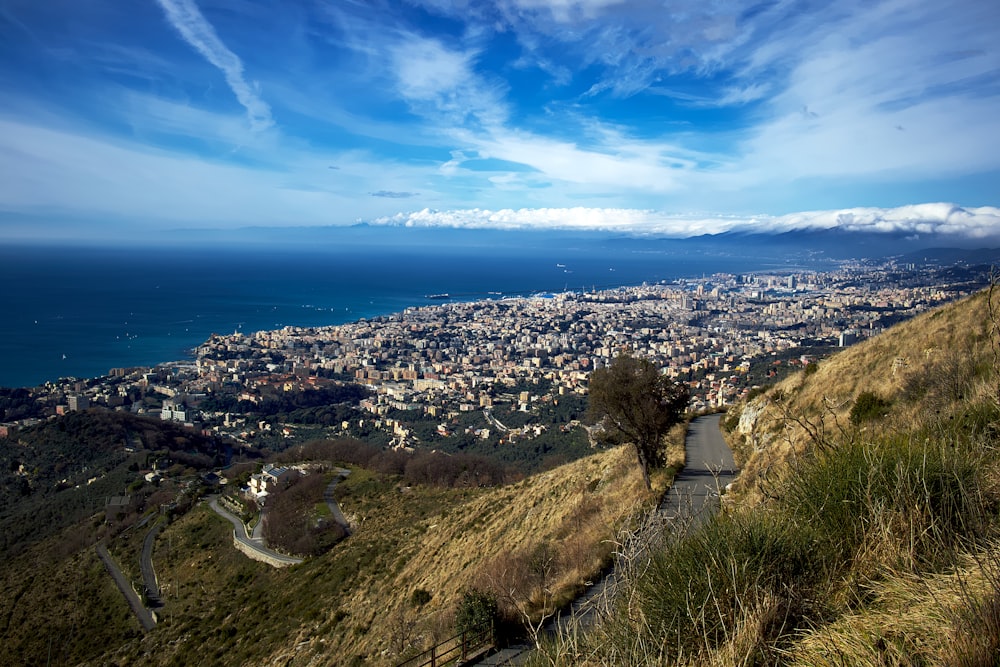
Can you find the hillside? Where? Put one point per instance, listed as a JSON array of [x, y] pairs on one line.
[[931, 368], [863, 531], [386, 591], [63, 470]]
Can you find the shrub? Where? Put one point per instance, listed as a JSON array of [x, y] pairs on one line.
[[731, 421], [476, 610], [867, 407], [899, 499], [758, 391], [420, 597], [947, 378]]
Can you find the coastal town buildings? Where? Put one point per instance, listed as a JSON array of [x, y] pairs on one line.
[[721, 334]]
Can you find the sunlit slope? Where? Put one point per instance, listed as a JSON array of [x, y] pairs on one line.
[[931, 366], [359, 603]]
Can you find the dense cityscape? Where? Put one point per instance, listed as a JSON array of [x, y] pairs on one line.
[[427, 374]]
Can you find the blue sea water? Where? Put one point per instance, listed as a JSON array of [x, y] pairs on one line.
[[80, 311]]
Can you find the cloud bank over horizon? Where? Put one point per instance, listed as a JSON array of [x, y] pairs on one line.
[[933, 219], [191, 113]]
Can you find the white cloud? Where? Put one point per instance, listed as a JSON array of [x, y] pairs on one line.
[[887, 85], [442, 84], [893, 100], [610, 162], [427, 70], [567, 10], [188, 20], [930, 219], [923, 219], [768, 107]]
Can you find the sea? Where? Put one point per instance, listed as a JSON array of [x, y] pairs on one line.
[[79, 311]]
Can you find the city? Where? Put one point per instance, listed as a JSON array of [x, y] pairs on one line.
[[505, 370]]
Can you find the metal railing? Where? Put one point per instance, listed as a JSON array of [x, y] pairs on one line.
[[454, 650]]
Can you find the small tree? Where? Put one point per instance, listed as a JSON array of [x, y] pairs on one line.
[[637, 404]]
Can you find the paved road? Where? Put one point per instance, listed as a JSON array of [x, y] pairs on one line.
[[146, 565], [708, 469], [241, 535], [691, 499], [144, 615], [331, 502], [258, 528]]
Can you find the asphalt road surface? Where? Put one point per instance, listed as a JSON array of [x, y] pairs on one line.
[[331, 502], [241, 535], [143, 614], [692, 498], [709, 468], [146, 565]]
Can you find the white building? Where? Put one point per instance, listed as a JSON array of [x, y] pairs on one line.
[[271, 478]]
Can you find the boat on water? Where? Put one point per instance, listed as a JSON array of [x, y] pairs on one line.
[[438, 296]]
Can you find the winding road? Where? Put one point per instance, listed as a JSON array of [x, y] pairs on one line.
[[331, 502], [240, 533], [146, 565]]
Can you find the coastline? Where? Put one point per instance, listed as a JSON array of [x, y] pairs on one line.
[[81, 312]]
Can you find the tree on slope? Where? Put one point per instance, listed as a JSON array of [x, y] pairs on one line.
[[636, 404]]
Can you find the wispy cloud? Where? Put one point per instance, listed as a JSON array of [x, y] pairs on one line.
[[188, 20], [392, 194], [442, 84], [615, 110]]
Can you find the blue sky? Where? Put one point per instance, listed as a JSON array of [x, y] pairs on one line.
[[680, 117]]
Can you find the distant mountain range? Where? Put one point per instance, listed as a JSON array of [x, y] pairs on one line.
[[831, 244], [828, 243]]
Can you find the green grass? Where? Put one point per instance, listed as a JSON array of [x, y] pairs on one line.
[[700, 588], [902, 500]]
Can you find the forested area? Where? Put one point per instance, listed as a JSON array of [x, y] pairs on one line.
[[293, 406], [295, 520], [16, 404], [63, 470]]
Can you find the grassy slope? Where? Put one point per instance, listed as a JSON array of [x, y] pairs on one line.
[[53, 604], [864, 542], [938, 375], [944, 346], [352, 604]]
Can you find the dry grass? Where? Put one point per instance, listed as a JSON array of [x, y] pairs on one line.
[[356, 604], [572, 512], [923, 367], [576, 509], [877, 507], [942, 619]]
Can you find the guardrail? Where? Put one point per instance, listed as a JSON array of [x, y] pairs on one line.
[[454, 650]]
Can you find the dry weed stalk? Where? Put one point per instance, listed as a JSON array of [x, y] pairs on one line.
[[993, 313]]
